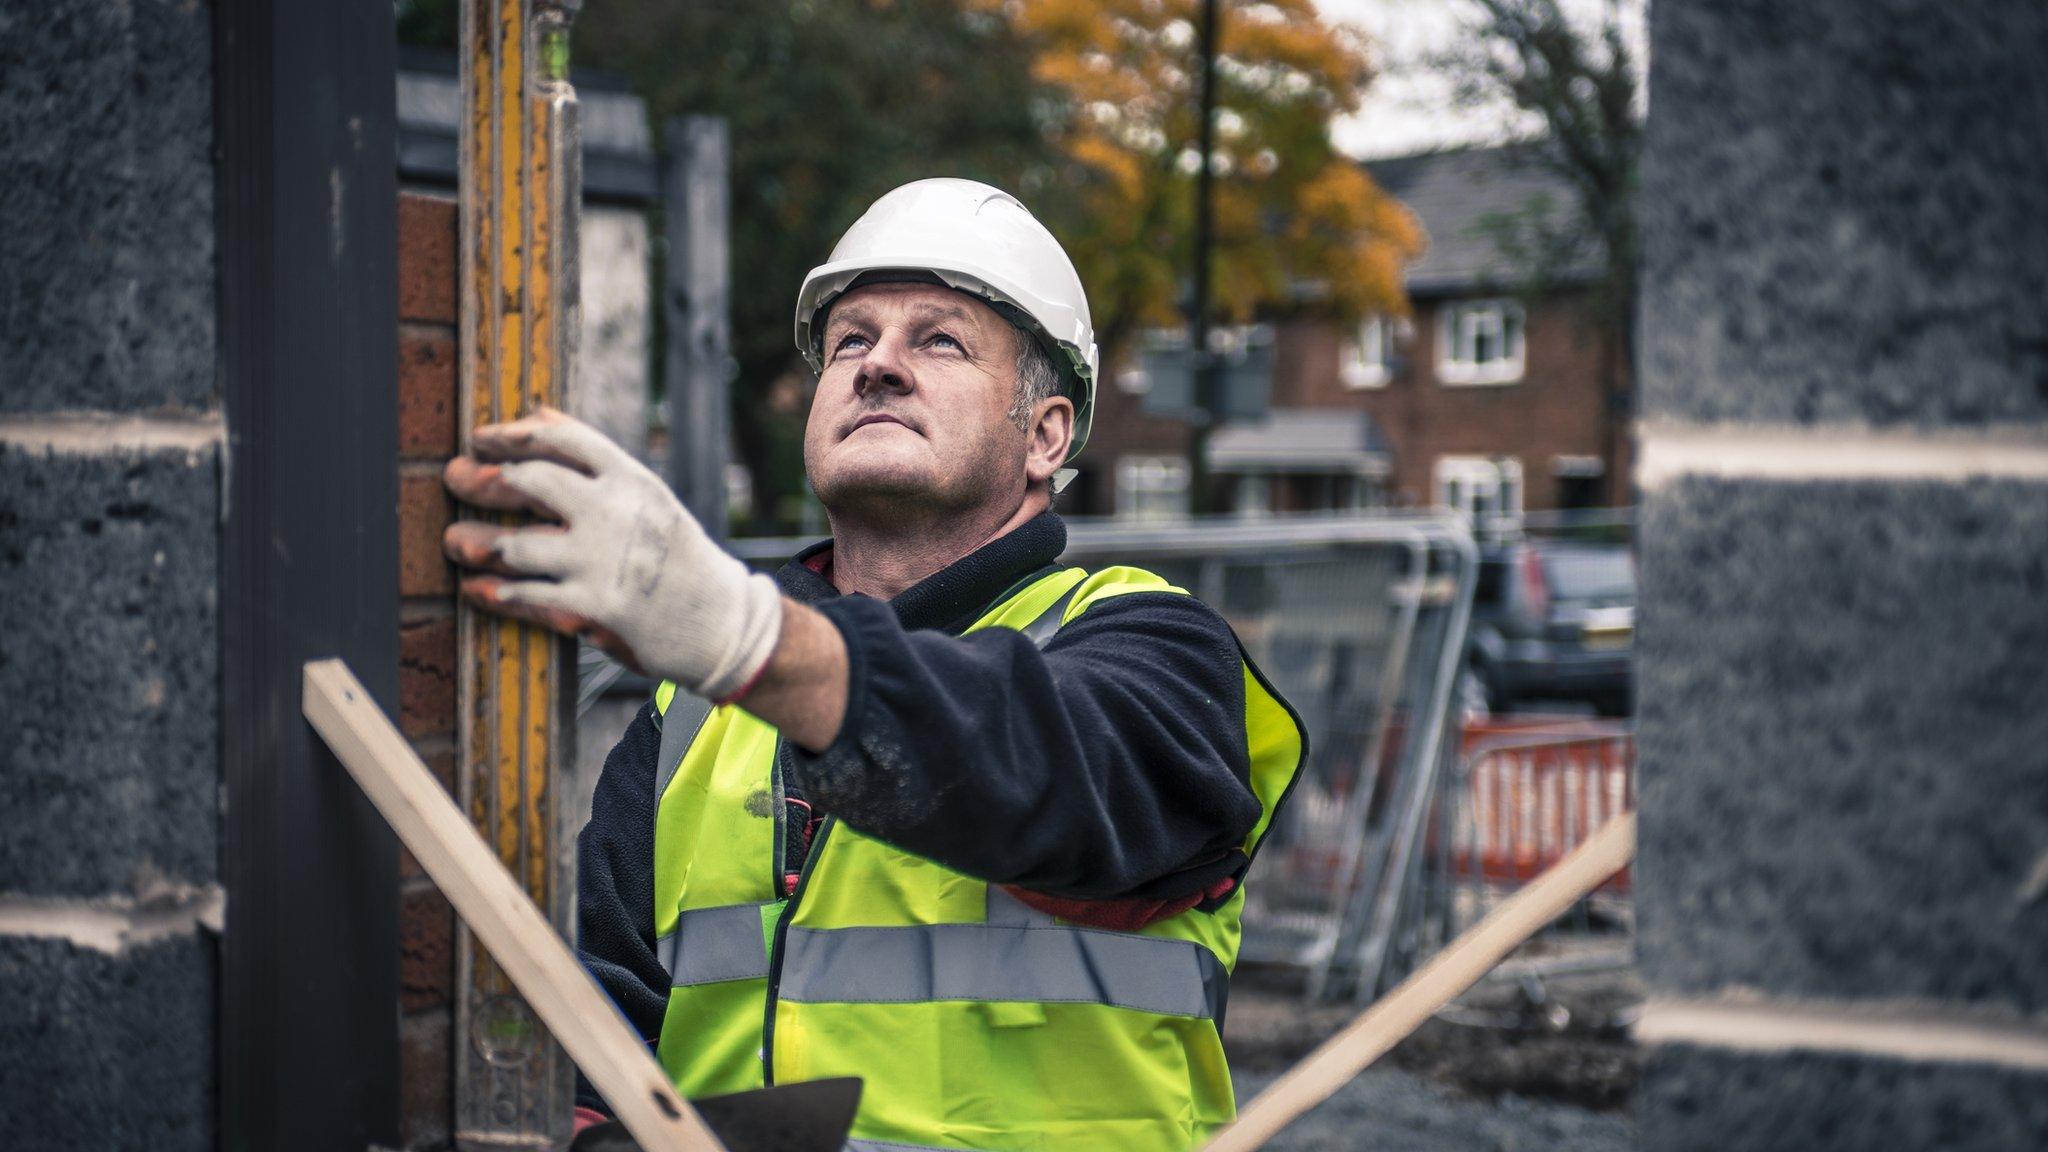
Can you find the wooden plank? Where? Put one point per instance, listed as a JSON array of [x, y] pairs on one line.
[[1416, 999], [498, 911]]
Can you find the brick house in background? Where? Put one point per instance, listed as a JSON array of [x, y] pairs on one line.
[[1488, 397]]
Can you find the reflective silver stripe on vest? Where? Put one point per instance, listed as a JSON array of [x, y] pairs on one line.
[[714, 944], [990, 962], [887, 1146]]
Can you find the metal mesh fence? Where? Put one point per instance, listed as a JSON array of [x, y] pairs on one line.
[[1359, 622]]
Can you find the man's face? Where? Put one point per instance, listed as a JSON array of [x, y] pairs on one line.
[[913, 403]]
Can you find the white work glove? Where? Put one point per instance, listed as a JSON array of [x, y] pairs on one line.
[[628, 564]]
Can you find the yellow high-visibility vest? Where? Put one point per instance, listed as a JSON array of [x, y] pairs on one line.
[[975, 1021]]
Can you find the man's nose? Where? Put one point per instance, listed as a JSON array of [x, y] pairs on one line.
[[886, 366]]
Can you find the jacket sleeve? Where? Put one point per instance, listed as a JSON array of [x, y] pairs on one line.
[[615, 887], [1112, 764]]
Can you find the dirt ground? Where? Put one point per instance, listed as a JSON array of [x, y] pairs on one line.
[[1513, 1066]]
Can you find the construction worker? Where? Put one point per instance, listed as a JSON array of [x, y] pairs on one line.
[[957, 820]]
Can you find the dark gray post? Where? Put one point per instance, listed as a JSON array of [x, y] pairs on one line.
[[308, 226], [696, 295], [1207, 375]]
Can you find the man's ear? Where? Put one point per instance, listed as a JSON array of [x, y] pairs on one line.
[[1052, 434]]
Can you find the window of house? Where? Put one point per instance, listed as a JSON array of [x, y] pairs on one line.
[[1487, 489], [1367, 493], [1151, 487], [1580, 480], [1368, 354], [1254, 498], [1480, 342]]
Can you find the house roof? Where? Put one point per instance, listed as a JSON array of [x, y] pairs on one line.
[[1302, 440], [1455, 194]]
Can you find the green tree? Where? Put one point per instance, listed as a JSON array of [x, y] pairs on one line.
[[1580, 81], [830, 105], [1086, 109]]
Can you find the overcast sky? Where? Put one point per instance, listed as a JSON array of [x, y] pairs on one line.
[[1408, 108]]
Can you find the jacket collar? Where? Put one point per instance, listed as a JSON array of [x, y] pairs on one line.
[[954, 596]]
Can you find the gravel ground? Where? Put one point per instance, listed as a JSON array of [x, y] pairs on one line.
[[1500, 1071], [1391, 1110]]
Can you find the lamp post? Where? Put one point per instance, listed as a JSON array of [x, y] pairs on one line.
[[1207, 372]]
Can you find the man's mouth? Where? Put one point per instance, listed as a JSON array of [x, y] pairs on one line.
[[877, 418]]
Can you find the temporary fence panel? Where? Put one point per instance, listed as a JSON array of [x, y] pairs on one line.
[[1378, 886], [1528, 800], [1337, 612], [1517, 799], [1359, 621]]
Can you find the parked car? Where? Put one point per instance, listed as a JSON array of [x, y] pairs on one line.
[[1555, 620]]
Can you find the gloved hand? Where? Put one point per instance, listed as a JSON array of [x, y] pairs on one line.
[[626, 564]]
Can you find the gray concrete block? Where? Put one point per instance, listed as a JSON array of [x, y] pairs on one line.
[[1842, 214], [1713, 1100], [109, 681], [106, 263], [107, 1052], [1843, 739]]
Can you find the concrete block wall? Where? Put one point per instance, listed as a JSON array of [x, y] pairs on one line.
[[110, 488], [428, 401], [1844, 556]]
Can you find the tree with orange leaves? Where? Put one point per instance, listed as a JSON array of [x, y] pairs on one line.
[[1294, 221], [1085, 108]]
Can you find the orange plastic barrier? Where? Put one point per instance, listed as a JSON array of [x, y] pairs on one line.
[[1535, 790]]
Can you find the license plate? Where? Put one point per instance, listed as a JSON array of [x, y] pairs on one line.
[[1606, 639]]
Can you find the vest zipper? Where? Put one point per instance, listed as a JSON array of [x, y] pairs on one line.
[[775, 951], [778, 803], [816, 849]]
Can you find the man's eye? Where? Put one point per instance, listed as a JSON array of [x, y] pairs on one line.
[[849, 342], [943, 340]]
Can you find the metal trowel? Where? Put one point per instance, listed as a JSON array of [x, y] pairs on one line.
[[813, 1116]]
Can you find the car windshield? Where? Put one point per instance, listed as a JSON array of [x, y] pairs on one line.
[[1590, 574]]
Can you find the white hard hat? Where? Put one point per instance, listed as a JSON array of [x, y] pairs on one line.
[[973, 238]]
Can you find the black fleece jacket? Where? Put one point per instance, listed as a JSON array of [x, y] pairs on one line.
[[1111, 764]]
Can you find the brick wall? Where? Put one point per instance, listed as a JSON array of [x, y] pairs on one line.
[[110, 448], [1559, 408], [1843, 651], [1121, 428], [428, 404]]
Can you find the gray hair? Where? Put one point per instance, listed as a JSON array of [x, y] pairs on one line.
[[1038, 378]]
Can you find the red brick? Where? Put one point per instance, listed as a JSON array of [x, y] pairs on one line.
[[426, 949], [426, 1068], [426, 259], [426, 676], [423, 512], [1557, 408], [427, 392]]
